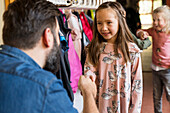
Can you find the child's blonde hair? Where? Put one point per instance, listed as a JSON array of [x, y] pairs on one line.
[[165, 12]]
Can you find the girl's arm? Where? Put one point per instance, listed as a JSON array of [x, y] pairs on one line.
[[136, 84], [142, 34], [142, 44]]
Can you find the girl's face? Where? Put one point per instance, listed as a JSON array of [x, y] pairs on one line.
[[158, 21], [107, 24]]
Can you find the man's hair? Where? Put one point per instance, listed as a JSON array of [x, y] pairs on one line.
[[26, 20]]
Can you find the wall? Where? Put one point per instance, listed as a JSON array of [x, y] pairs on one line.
[[2, 9], [168, 2]]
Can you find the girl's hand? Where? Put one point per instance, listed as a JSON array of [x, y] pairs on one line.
[[142, 34]]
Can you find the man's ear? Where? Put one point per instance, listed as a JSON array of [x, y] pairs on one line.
[[48, 37]]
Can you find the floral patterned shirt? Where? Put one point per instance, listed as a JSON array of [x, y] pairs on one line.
[[119, 84]]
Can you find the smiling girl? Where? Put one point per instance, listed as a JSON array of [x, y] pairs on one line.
[[114, 63]]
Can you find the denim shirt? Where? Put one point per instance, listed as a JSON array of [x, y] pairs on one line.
[[26, 88]]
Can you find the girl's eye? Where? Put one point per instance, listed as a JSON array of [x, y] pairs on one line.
[[98, 23], [109, 22]]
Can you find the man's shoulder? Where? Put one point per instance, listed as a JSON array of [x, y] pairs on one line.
[[27, 72], [29, 86]]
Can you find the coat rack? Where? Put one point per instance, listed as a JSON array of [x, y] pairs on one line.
[[79, 4], [7, 2]]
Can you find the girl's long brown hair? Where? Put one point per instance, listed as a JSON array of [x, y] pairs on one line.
[[123, 36]]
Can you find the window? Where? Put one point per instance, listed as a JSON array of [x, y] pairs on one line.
[[145, 10]]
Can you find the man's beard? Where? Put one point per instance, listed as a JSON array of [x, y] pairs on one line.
[[53, 59]]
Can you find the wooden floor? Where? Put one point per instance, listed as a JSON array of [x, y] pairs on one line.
[[147, 106]]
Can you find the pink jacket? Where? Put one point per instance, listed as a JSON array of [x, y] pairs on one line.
[[75, 65], [161, 48]]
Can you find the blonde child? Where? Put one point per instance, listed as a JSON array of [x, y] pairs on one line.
[[114, 63], [160, 33]]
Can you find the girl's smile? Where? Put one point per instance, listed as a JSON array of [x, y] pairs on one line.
[[107, 24]]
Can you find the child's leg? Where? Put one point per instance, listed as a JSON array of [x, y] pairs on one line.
[[157, 91], [166, 81]]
